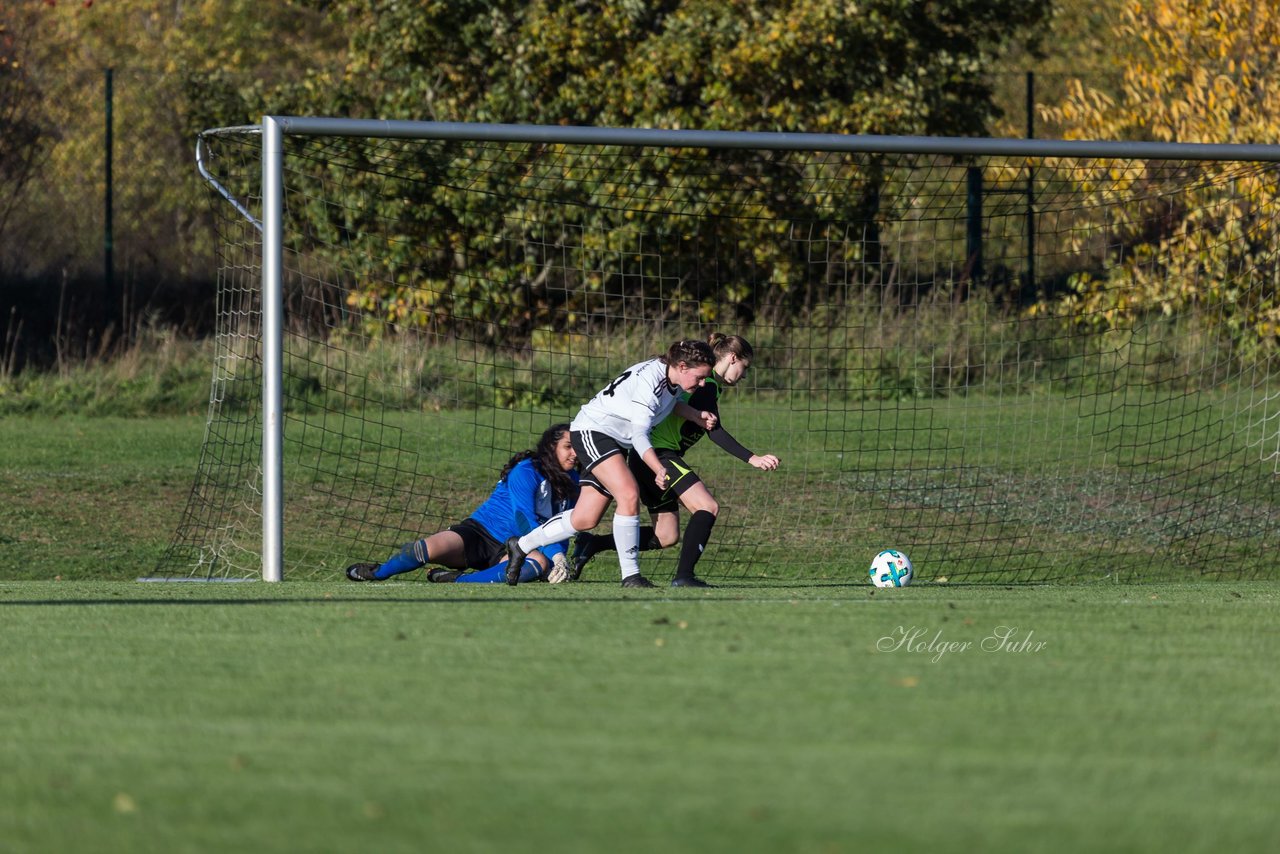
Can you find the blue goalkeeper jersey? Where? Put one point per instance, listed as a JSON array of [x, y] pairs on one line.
[[521, 503]]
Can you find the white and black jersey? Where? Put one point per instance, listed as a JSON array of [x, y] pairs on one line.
[[629, 407]]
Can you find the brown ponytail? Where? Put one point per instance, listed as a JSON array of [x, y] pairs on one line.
[[724, 345]]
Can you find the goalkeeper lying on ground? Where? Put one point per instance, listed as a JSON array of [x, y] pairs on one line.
[[533, 486]]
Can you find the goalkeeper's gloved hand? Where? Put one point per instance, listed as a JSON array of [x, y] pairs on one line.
[[559, 569]]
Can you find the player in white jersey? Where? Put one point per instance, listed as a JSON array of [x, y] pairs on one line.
[[615, 420], [672, 439]]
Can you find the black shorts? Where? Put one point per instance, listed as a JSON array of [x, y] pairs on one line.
[[481, 549], [679, 479], [593, 447]]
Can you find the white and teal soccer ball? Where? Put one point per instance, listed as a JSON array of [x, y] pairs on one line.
[[891, 568]]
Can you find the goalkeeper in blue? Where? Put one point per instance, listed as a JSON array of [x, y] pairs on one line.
[[671, 439], [534, 486]]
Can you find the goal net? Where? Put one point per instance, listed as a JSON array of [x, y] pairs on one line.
[[1015, 362]]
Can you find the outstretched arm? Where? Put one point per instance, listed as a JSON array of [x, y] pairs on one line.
[[725, 441]]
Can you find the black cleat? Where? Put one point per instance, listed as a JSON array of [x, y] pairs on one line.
[[515, 560], [637, 581], [583, 550], [440, 575], [689, 581], [362, 572]]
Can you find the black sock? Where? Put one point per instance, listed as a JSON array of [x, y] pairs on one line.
[[648, 541], [696, 535]]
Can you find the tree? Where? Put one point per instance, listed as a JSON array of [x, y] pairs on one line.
[[178, 67], [23, 135], [1193, 71], [881, 66], [1082, 48]]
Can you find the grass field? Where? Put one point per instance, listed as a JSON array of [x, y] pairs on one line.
[[818, 716], [94, 498], [975, 489], [409, 717]]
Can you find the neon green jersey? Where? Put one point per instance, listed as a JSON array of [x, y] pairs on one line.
[[675, 433]]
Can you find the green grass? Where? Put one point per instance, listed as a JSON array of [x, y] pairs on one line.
[[101, 498], [92, 497], [761, 716], [991, 489], [409, 717], [159, 372]]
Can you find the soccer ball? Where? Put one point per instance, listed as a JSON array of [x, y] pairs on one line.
[[891, 568]]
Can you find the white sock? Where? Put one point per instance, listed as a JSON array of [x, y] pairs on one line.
[[555, 529], [626, 536]]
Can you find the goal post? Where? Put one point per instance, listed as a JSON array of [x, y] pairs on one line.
[[272, 350], [451, 289]]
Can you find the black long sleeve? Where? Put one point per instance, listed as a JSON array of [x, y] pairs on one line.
[[721, 437]]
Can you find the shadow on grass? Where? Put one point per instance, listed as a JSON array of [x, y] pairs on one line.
[[600, 592], [417, 600]]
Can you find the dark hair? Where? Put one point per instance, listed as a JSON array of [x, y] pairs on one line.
[[723, 345], [690, 351], [544, 459]]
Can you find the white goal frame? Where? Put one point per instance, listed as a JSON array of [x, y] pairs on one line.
[[274, 129]]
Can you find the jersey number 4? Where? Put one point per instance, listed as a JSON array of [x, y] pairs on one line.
[[613, 386]]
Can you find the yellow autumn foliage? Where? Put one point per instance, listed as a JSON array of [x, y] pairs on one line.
[[1193, 71]]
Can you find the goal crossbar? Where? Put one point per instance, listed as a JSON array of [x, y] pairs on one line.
[[769, 140]]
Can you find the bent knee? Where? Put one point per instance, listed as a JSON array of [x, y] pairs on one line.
[[627, 508], [709, 505], [583, 519], [627, 502]]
